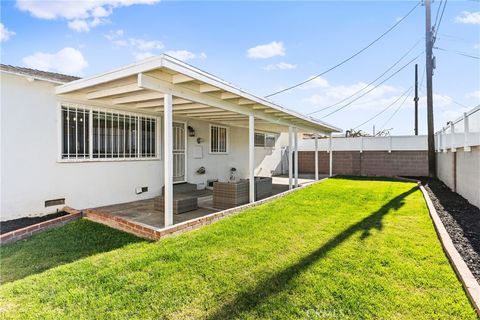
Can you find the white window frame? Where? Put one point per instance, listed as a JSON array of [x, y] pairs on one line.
[[227, 147], [265, 134], [90, 158]]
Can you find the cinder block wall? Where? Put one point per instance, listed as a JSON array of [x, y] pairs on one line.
[[367, 163]]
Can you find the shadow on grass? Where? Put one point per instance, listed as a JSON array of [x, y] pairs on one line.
[[247, 301], [63, 245]]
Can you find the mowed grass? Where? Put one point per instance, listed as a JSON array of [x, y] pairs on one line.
[[340, 249]]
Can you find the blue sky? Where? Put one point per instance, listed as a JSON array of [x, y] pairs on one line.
[[263, 47]]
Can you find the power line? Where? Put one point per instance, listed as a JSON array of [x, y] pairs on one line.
[[458, 52], [375, 87], [385, 109], [437, 27], [395, 112], [438, 11], [368, 85], [349, 58]]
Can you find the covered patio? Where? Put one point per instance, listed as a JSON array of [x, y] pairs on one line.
[[174, 92], [143, 212]]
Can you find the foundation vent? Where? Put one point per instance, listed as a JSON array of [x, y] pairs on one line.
[[54, 202]]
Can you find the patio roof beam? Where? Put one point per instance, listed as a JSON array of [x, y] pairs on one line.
[[181, 78], [160, 85], [159, 103], [205, 109], [243, 101], [228, 95], [128, 88], [211, 116], [152, 95], [208, 88]]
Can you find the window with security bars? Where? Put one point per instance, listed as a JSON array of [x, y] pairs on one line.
[[114, 135], [218, 139], [75, 133], [266, 140]]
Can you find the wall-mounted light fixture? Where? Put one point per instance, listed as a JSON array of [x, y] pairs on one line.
[[191, 131]]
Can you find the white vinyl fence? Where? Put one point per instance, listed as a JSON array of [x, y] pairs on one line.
[[458, 155], [390, 143], [461, 133]]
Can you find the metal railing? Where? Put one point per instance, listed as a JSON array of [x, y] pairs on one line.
[[464, 133]]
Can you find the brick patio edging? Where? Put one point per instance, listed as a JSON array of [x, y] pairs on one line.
[[150, 233], [470, 284], [26, 232]]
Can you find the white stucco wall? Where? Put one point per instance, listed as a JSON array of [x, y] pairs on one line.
[[31, 174]]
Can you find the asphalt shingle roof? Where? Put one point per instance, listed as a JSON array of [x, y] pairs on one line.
[[57, 77]]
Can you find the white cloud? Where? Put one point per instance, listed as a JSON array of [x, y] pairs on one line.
[[145, 48], [139, 47], [145, 45], [268, 50], [5, 34], [468, 17], [280, 66], [81, 15], [318, 82], [67, 60], [79, 25], [185, 55], [376, 99], [114, 35], [474, 94]]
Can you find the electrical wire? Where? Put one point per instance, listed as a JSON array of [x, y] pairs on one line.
[[375, 87], [437, 27], [385, 109], [396, 110], [349, 58], [458, 52], [438, 11], [369, 84]]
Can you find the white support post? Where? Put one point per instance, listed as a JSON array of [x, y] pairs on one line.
[[439, 137], [251, 157], [452, 140], [90, 134], [168, 159], [295, 137], [290, 157], [444, 140], [316, 157], [330, 154], [466, 129]]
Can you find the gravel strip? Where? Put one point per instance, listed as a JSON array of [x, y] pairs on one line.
[[461, 219]]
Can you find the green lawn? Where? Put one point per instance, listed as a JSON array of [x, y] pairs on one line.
[[340, 249]]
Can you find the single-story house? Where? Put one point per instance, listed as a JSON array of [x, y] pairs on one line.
[[134, 132]]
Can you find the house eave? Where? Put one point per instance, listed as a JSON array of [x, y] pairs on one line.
[[165, 62]]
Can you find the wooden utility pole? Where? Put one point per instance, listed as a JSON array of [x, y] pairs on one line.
[[429, 70], [416, 99]]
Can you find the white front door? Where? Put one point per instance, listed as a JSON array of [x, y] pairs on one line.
[[179, 152]]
